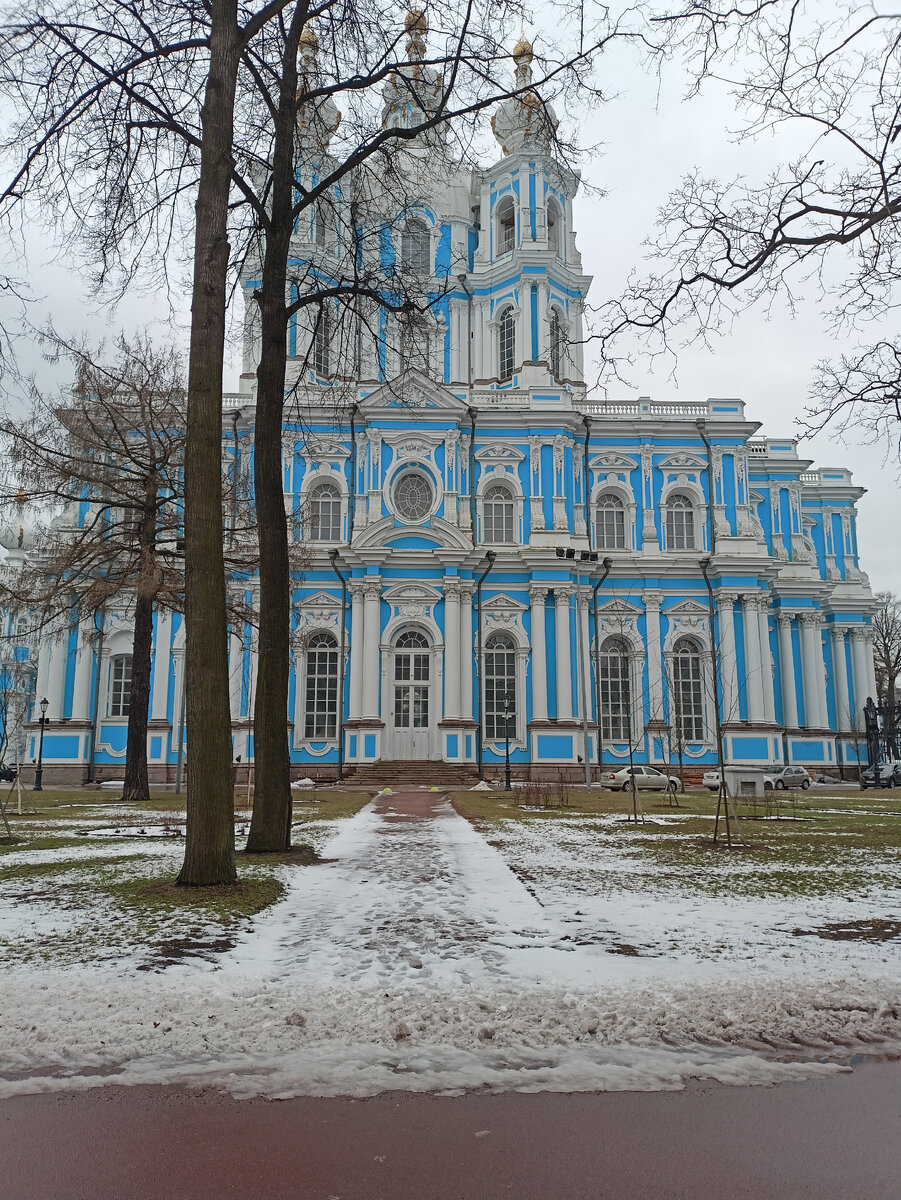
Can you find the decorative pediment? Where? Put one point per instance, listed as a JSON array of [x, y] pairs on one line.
[[405, 593], [322, 449], [612, 462], [502, 603], [687, 608], [319, 600], [499, 452], [619, 607], [412, 392], [682, 462]]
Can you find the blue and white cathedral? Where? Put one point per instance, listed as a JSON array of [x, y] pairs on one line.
[[454, 490]]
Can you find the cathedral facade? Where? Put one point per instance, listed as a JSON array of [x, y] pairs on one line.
[[491, 557]]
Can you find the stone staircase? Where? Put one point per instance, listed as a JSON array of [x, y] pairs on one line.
[[409, 774]]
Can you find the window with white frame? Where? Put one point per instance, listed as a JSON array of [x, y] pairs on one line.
[[506, 225], [680, 522], [500, 687], [558, 343], [688, 691], [120, 685], [506, 342], [322, 345], [320, 718], [413, 496], [416, 247], [554, 223], [498, 515], [412, 670], [325, 513], [615, 688], [610, 526]]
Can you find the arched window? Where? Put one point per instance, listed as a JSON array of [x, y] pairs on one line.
[[325, 513], [498, 515], [416, 247], [320, 719], [610, 527], [413, 496], [615, 687], [558, 343], [506, 225], [680, 523], [412, 668], [120, 686], [688, 696], [554, 223], [506, 343], [322, 345], [500, 687], [21, 629]]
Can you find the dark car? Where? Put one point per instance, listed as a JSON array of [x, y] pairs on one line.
[[883, 775], [7, 774]]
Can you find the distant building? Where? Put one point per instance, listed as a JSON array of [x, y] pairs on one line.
[[415, 447]]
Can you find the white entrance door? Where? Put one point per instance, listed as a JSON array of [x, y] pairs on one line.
[[412, 697]]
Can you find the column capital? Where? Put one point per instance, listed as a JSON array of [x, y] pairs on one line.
[[652, 599], [538, 592], [562, 591], [751, 600], [725, 599], [813, 619], [356, 588], [857, 634], [452, 590], [784, 619], [372, 589]]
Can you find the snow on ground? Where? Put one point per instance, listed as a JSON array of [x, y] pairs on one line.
[[418, 959]]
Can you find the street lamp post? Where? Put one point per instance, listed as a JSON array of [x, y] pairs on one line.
[[39, 773], [507, 714]]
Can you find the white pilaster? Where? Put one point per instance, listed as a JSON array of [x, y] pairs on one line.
[[753, 683], [728, 673], [160, 693], [652, 601], [537, 593], [585, 648], [840, 679], [787, 672], [84, 663], [56, 677], [355, 699], [372, 594], [766, 665], [564, 654], [860, 675], [466, 634], [451, 648], [811, 666]]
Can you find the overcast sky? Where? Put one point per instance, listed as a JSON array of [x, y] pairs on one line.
[[650, 138]]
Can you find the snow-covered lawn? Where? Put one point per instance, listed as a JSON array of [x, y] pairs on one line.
[[548, 951]]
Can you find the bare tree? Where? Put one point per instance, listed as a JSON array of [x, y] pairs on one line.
[[835, 72], [887, 645], [105, 467]]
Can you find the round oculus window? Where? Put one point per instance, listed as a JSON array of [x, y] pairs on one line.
[[413, 496]]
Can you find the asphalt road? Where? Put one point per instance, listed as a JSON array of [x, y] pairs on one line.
[[836, 1137]]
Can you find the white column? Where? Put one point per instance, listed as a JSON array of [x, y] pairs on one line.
[[753, 684], [820, 660], [585, 646], [840, 679], [372, 594], [871, 666], [766, 665], [564, 654], [235, 675], [538, 592], [728, 673], [652, 602], [787, 672], [860, 674], [355, 699], [56, 677], [160, 692], [81, 687], [810, 667], [466, 651], [451, 648]]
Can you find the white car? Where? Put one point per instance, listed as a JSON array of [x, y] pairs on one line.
[[645, 778]]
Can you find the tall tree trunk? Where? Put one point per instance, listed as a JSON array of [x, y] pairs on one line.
[[137, 787], [270, 825], [210, 832]]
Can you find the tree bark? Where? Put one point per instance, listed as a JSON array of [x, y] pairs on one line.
[[210, 833], [270, 825], [136, 787]]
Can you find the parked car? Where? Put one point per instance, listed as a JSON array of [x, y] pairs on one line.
[[883, 775], [7, 774], [711, 780], [791, 777], [645, 778]]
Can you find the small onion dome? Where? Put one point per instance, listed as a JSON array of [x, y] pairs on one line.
[[523, 48], [309, 39], [416, 21]]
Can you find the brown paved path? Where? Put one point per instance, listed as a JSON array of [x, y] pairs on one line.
[[834, 1139]]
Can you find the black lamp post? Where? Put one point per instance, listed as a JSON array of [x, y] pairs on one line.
[[39, 773], [507, 715]]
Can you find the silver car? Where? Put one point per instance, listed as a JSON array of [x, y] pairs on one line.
[[645, 778]]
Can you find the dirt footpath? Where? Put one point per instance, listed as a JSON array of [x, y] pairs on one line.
[[833, 1138]]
